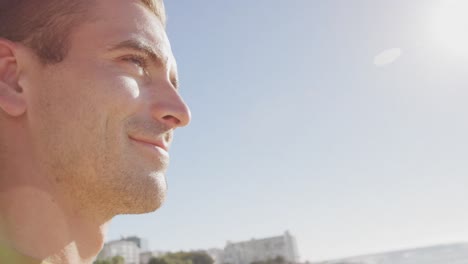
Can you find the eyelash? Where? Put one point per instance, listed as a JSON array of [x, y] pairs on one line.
[[138, 60]]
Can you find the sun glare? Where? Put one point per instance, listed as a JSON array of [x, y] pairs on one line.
[[451, 26]]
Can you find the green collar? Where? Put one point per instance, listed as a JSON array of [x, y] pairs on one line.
[[11, 256]]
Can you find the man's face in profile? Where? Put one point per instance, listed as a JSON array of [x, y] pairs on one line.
[[101, 120]]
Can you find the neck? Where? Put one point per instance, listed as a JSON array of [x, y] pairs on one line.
[[38, 221]]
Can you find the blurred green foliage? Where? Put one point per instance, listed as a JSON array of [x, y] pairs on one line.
[[183, 258]]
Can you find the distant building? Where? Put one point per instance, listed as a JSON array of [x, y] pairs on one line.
[[142, 243], [216, 254], [261, 249], [126, 249]]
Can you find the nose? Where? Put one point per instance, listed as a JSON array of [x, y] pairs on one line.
[[170, 109]]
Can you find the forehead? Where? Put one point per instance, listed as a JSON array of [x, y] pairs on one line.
[[116, 21]]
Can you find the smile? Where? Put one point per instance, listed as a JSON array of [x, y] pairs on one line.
[[156, 145]]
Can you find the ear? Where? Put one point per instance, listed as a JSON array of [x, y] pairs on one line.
[[12, 100]]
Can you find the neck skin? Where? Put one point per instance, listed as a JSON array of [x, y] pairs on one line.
[[37, 220]]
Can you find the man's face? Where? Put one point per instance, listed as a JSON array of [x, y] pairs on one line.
[[96, 117]]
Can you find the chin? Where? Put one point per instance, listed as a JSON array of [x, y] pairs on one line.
[[145, 209], [141, 207], [146, 197], [152, 202]]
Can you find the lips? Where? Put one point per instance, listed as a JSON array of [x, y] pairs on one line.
[[155, 143]]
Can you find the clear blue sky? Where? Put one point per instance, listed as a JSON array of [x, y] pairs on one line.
[[296, 128]]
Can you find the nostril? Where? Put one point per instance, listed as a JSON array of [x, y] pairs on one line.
[[172, 119]]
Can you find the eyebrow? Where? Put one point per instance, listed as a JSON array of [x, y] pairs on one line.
[[155, 55]]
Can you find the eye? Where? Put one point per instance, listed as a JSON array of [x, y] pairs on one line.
[[138, 60]]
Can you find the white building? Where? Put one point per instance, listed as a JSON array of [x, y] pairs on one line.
[[142, 243], [126, 249], [216, 254], [262, 249]]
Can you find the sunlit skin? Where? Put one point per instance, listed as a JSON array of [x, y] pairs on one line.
[[85, 139]]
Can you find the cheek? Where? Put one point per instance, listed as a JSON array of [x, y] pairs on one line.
[[117, 96], [108, 84], [126, 87], [100, 91], [84, 97]]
